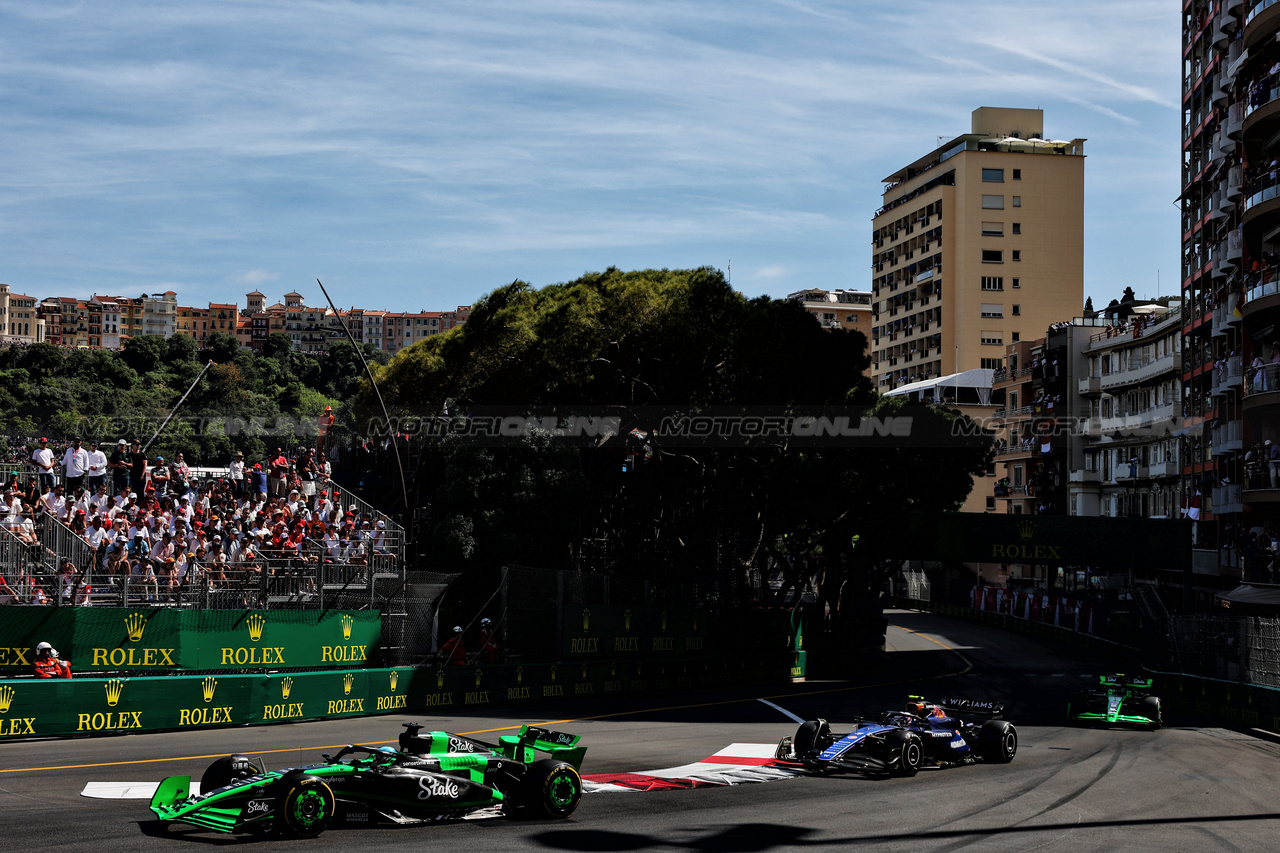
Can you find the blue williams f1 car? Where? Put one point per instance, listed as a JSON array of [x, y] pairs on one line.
[[901, 742], [431, 777]]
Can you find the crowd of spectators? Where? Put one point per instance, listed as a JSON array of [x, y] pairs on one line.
[[155, 533]]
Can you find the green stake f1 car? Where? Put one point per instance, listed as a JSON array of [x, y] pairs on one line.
[[1120, 699], [433, 776]]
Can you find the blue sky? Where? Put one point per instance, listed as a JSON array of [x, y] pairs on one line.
[[416, 156]]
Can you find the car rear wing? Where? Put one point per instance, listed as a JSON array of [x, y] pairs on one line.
[[979, 707], [1122, 680], [559, 745]]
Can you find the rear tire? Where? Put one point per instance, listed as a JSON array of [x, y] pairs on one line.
[[225, 771], [998, 741], [306, 807], [551, 789], [1151, 708]]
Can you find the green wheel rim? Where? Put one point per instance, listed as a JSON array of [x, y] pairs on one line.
[[309, 808], [563, 789]]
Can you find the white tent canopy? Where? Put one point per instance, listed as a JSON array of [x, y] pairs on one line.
[[980, 379]]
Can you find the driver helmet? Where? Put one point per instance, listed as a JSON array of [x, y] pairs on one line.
[[389, 749], [484, 623], [457, 629]]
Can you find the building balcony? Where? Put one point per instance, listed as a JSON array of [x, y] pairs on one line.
[[1011, 492], [1090, 385], [1227, 438], [1082, 476], [1150, 420], [1262, 496], [1262, 381], [1227, 499], [1014, 452], [1168, 468], [1260, 21], [1134, 376]]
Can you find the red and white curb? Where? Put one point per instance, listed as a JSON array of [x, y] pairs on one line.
[[736, 764]]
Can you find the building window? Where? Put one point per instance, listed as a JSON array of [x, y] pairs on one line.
[[992, 364], [1016, 337], [991, 502], [992, 282], [1017, 174], [1017, 254], [993, 229], [1017, 282], [1017, 228], [995, 176], [1017, 201], [992, 339], [992, 256], [994, 202], [992, 310], [1017, 310]]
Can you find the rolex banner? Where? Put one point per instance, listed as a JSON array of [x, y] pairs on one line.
[[31, 707], [602, 631], [141, 640]]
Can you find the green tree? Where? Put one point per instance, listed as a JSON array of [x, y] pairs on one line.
[[684, 340], [222, 347], [144, 353], [180, 349], [277, 346]]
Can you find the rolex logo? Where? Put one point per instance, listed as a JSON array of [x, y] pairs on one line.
[[584, 672], [6, 699], [135, 624], [553, 673], [347, 681], [256, 623], [613, 670], [664, 621], [1026, 529], [626, 620], [586, 619], [395, 679], [519, 675], [439, 678], [695, 622], [286, 687], [347, 622], [207, 687], [479, 672], [114, 688]]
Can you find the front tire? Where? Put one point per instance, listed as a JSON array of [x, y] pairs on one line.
[[552, 789], [810, 736], [1151, 709], [998, 741], [306, 807], [225, 771], [908, 751]]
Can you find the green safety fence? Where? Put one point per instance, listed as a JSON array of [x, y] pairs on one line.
[[59, 707], [102, 639]]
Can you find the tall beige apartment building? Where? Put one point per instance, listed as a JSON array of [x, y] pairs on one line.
[[978, 244]]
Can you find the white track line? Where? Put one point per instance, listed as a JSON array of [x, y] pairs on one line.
[[784, 711]]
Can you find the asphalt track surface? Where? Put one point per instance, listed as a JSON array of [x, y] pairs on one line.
[[1188, 786]]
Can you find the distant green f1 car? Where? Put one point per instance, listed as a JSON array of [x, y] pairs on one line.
[[432, 777], [1120, 700]]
